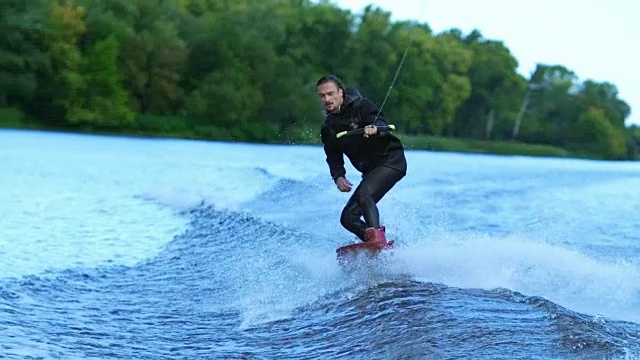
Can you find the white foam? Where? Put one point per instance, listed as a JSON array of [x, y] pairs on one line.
[[565, 276], [302, 279]]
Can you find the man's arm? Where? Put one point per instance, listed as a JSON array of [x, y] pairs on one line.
[[371, 115], [335, 158]]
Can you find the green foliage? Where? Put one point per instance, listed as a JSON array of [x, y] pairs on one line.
[[596, 134], [11, 117], [440, 143], [100, 100], [22, 54], [633, 143], [246, 70], [65, 25], [146, 123], [452, 61], [496, 90]]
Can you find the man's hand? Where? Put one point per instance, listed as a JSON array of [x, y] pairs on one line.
[[370, 130], [343, 184]]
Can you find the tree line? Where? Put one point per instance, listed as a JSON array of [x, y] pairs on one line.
[[246, 70]]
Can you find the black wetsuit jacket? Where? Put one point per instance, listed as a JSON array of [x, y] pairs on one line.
[[365, 154]]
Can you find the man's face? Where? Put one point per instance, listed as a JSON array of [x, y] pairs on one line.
[[331, 96]]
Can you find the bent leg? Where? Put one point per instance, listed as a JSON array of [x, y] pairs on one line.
[[350, 217], [373, 187], [363, 202]]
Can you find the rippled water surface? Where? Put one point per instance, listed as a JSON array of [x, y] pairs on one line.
[[122, 248]]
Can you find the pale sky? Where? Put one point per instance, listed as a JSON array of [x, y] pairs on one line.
[[593, 38]]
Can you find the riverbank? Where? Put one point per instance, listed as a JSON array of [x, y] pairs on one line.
[[411, 142]]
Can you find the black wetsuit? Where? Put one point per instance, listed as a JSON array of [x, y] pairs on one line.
[[380, 158]]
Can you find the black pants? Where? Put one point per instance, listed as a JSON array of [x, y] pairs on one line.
[[374, 185]]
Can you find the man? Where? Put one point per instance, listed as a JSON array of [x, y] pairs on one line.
[[377, 154]]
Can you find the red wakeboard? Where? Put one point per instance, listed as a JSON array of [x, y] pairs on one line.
[[356, 250]]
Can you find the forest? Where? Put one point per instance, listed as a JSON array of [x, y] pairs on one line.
[[245, 70]]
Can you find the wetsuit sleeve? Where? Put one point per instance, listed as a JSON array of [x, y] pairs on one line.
[[335, 158], [369, 116]]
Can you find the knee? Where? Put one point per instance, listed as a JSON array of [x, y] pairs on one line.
[[346, 218], [365, 199]]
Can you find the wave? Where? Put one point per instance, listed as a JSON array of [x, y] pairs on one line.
[[580, 332], [265, 265], [232, 279], [228, 190], [563, 275]]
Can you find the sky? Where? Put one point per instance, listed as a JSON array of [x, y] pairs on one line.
[[592, 38]]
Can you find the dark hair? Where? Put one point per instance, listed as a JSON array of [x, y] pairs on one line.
[[330, 78]]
